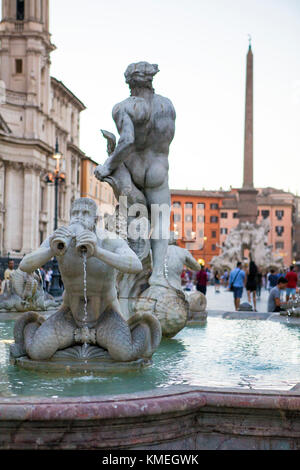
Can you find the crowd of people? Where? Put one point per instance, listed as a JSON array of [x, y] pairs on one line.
[[246, 277], [46, 276]]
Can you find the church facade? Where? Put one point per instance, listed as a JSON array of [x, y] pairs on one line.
[[36, 110]]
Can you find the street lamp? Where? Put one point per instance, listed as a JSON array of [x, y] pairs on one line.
[[56, 177]]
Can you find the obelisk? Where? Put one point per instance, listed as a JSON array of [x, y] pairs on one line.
[[247, 208]]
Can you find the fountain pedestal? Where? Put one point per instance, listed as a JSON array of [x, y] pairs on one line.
[[80, 359]]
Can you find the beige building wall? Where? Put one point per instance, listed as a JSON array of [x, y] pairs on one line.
[[35, 110], [92, 188]]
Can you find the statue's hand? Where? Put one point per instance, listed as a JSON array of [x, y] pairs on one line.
[[60, 240], [102, 171], [86, 241]]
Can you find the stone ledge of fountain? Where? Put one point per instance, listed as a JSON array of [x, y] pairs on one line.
[[269, 316], [181, 418], [14, 315], [96, 366]]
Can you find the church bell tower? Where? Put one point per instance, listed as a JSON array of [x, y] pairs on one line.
[[25, 50]]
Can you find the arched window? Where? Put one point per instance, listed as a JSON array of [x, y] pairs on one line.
[[20, 10]]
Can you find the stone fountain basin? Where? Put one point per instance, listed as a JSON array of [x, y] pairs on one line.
[[177, 417], [185, 418]]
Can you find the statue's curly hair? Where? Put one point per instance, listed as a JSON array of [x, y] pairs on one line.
[[149, 69]]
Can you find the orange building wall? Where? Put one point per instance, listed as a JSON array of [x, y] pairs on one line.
[[230, 223], [286, 237], [210, 243], [100, 192]]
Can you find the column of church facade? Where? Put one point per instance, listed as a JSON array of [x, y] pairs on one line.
[[13, 201], [31, 207]]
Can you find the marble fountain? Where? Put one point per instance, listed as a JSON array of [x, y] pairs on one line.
[[127, 361]]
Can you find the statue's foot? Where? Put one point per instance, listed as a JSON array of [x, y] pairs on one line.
[[158, 281]]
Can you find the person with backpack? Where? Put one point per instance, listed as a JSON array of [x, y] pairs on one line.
[[236, 284]]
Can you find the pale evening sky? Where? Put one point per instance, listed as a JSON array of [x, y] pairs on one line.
[[200, 47]]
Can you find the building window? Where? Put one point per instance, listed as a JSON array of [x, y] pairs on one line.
[[214, 219], [214, 206], [41, 237], [201, 218], [20, 10], [235, 215], [224, 215], [42, 201], [189, 218], [224, 231], [189, 205], [19, 66], [188, 234], [213, 234], [176, 205], [279, 214], [279, 245], [265, 214], [213, 247], [279, 230], [177, 217], [201, 205]]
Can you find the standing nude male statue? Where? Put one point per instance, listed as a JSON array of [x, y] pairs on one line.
[[146, 124], [102, 323]]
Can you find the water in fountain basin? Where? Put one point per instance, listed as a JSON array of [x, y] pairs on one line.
[[243, 353]]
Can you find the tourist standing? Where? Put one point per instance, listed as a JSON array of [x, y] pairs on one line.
[[189, 286], [226, 278], [291, 287], [259, 278], [236, 283], [274, 301], [217, 282], [8, 272], [202, 280], [48, 275], [251, 284]]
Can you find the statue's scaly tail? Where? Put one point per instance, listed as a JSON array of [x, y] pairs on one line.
[[18, 348], [128, 341], [155, 332]]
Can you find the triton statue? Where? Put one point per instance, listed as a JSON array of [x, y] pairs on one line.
[[92, 316]]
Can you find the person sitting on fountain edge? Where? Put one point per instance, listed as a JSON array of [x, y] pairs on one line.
[[101, 322], [274, 301]]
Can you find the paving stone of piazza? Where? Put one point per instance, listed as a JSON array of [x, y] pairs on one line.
[[224, 300]]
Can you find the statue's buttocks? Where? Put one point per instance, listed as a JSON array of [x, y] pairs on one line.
[[153, 128]]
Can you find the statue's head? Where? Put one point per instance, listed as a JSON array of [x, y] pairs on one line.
[[84, 212], [140, 74]]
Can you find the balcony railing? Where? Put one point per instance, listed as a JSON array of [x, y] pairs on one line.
[[19, 26]]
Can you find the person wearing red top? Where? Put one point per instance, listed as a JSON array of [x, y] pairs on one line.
[[292, 279], [202, 280]]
